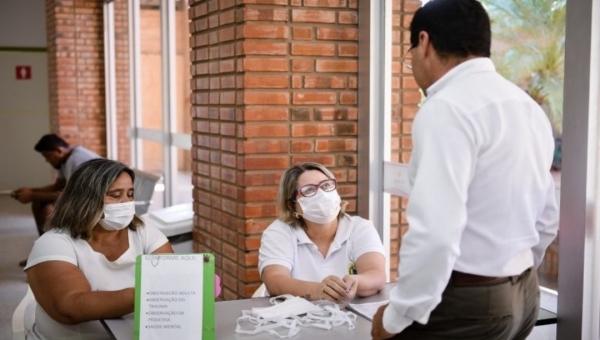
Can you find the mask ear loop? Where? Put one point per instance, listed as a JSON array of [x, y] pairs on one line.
[[280, 298], [336, 317], [267, 326], [290, 205]]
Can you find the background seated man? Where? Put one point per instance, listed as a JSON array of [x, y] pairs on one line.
[[316, 250], [65, 159]]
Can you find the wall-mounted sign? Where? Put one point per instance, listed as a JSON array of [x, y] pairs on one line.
[[23, 72]]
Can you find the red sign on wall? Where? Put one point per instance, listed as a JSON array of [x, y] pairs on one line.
[[23, 72]]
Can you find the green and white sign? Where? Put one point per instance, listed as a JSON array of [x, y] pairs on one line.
[[174, 297]]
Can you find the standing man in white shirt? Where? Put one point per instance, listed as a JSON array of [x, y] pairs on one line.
[[481, 211]]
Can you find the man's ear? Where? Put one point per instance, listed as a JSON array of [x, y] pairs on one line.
[[425, 43], [61, 151]]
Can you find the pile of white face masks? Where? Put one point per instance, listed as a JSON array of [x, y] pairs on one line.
[[286, 317]]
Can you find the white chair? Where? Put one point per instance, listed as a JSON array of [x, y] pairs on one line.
[[24, 316], [143, 189], [261, 291]]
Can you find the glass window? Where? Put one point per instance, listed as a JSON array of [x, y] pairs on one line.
[[150, 65], [152, 162], [162, 126]]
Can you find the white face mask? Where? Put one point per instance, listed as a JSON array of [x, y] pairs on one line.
[[321, 208], [293, 305], [118, 215], [286, 316]]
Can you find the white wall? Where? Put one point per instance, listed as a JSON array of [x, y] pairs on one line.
[[24, 115], [22, 23], [23, 120]]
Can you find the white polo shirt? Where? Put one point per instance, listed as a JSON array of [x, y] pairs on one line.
[[290, 247]]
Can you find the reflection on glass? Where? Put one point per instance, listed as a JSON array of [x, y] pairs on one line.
[[152, 162], [182, 192], [150, 64], [182, 76]]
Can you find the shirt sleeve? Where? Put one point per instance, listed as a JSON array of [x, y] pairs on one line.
[[152, 238], [60, 173], [52, 246], [547, 223], [365, 239], [440, 169], [276, 247]]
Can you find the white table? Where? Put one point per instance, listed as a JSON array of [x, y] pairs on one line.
[[227, 313]]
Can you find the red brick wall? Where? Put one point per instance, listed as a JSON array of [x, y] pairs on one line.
[[76, 73], [273, 84]]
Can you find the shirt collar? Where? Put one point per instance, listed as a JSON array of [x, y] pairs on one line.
[[466, 67], [342, 233]]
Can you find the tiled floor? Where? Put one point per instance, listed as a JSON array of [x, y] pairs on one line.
[[17, 234], [548, 300]]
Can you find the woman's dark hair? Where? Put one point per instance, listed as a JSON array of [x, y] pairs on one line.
[[81, 204], [457, 28]]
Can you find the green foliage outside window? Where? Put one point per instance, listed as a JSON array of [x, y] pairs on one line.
[[529, 49]]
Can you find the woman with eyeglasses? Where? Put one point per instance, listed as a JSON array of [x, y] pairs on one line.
[[316, 250]]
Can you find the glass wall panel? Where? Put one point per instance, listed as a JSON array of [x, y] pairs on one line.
[[182, 192], [183, 122], [529, 50], [152, 162], [156, 140], [150, 65]]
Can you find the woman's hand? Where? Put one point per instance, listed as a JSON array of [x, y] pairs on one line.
[[334, 289], [352, 284]]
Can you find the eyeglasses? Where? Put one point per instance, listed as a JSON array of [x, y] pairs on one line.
[[406, 63], [311, 189]]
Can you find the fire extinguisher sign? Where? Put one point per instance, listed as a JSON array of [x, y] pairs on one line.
[[23, 72]]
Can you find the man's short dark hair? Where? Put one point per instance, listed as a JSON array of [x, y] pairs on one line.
[[50, 142], [457, 28]]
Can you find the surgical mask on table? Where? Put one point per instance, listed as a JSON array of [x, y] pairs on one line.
[[321, 208], [291, 314]]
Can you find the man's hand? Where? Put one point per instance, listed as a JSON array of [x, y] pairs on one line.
[[378, 332], [23, 195]]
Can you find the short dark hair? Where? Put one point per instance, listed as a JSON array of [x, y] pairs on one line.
[[456, 28], [50, 142]]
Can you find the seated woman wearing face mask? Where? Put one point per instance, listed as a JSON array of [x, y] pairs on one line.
[[83, 268], [316, 250]]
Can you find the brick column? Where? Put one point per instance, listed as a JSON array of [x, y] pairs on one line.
[[273, 84], [76, 72]]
